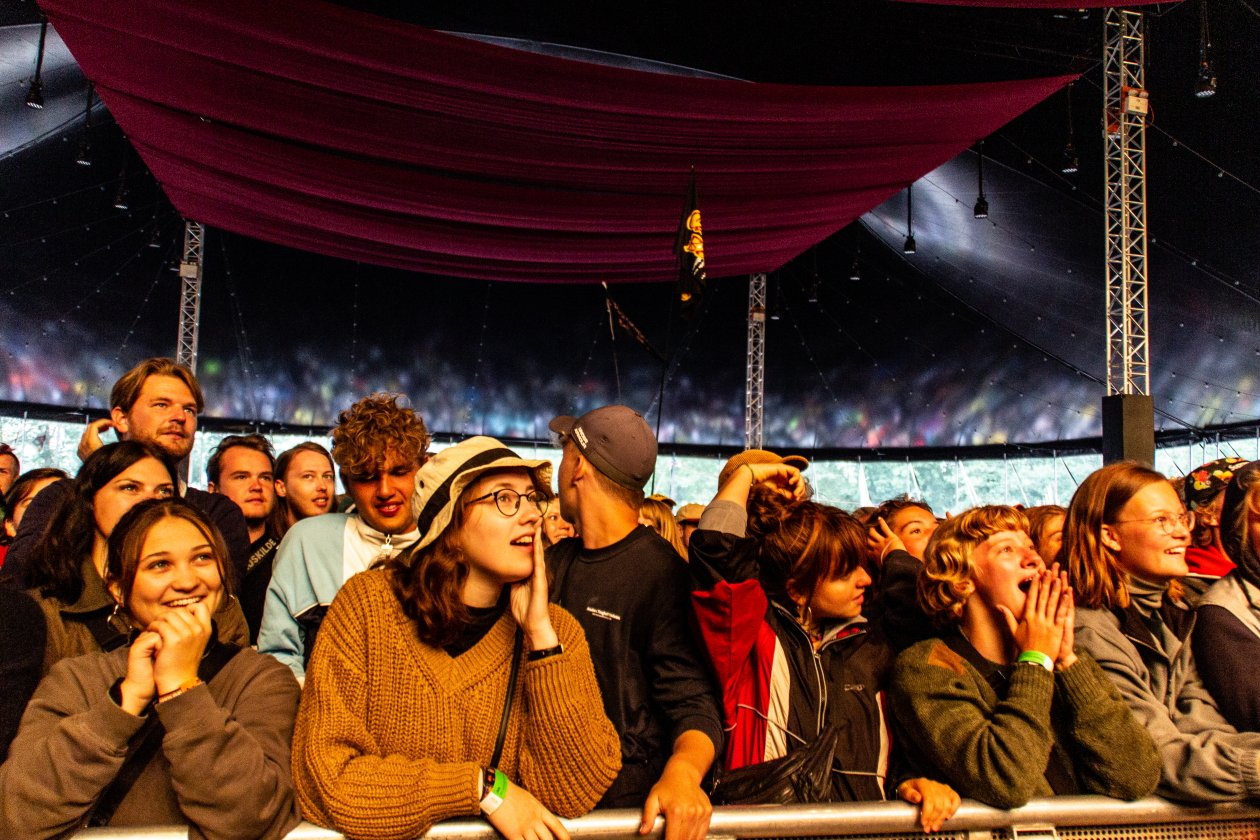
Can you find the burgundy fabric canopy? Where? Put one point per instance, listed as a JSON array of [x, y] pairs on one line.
[[346, 134], [1039, 4]]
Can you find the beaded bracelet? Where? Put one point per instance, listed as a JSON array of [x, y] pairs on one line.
[[186, 687]]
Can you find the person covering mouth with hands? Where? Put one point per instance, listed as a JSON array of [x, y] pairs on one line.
[[1003, 704]]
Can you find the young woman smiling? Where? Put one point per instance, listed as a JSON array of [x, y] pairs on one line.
[[214, 720], [1124, 545], [781, 588], [1001, 704], [411, 676], [67, 566]]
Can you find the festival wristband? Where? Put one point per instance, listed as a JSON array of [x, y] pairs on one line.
[[495, 785], [1037, 658]]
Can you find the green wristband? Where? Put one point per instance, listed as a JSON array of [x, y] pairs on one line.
[[1037, 658], [494, 795]]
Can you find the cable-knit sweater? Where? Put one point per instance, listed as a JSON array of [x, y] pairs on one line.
[[392, 732]]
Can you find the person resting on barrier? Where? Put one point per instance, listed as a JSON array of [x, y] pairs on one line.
[[1002, 704], [66, 569], [781, 584], [1124, 544], [1226, 637], [175, 727], [414, 710]]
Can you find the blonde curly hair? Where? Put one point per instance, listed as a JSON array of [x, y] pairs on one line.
[[944, 582], [371, 428]]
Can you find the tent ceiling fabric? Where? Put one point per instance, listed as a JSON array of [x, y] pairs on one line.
[[346, 134]]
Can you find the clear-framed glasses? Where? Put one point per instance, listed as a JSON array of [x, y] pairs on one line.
[[509, 501], [1167, 524]]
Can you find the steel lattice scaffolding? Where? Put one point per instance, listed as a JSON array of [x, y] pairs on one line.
[[755, 381], [190, 294], [1125, 107]]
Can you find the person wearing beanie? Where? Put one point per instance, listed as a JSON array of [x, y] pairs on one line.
[[628, 588], [420, 663], [1226, 635]]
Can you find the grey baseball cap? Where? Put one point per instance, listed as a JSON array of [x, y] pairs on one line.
[[616, 440]]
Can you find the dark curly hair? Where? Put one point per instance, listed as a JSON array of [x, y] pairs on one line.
[[367, 430]]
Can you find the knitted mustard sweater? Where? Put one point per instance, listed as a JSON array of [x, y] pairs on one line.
[[391, 733]]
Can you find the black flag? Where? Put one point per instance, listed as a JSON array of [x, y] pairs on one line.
[[690, 250]]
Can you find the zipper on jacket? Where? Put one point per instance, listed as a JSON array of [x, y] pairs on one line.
[[819, 676]]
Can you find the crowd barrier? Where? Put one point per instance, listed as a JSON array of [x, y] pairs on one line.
[[1064, 816]]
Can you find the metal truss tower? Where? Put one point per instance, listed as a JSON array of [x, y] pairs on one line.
[[190, 294], [1125, 107], [755, 381]]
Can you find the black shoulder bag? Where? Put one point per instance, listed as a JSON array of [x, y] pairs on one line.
[[146, 743], [800, 777]]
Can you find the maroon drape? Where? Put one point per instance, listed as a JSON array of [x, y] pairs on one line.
[[347, 134], [1039, 4]]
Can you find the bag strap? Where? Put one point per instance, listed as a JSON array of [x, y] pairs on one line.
[[147, 741], [108, 637], [517, 644]]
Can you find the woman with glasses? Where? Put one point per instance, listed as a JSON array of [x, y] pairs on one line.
[[1124, 545], [443, 684]]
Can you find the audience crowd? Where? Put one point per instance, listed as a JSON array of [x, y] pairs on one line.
[[472, 632]]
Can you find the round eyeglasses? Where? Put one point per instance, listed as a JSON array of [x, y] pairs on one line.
[[1168, 524], [509, 501]]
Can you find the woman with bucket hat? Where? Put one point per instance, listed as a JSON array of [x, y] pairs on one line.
[[444, 684]]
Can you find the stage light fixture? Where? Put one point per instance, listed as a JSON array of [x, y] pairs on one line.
[[35, 95], [1205, 84], [908, 247], [855, 270], [1071, 163], [981, 210], [84, 156], [122, 197]]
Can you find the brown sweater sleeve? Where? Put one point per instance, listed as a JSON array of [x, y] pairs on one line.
[[571, 752], [342, 779]]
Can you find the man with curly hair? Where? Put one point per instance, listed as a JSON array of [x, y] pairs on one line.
[[378, 446]]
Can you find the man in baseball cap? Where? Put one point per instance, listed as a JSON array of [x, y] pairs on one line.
[[630, 590]]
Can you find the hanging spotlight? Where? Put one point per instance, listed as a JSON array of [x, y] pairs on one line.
[[155, 239], [122, 196], [1205, 85], [84, 156], [35, 95], [909, 247], [1071, 163], [981, 210], [855, 271]]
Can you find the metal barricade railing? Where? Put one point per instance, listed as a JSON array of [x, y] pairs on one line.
[[1075, 816]]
